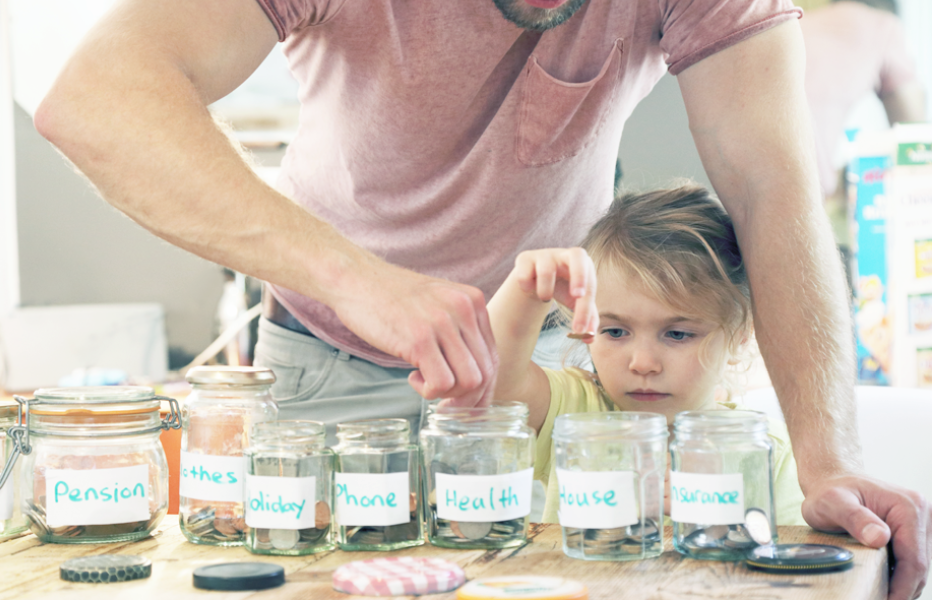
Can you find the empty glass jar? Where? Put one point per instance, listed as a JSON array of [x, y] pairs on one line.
[[721, 471], [289, 492], [222, 408], [610, 469], [377, 483], [12, 521], [478, 470], [93, 468]]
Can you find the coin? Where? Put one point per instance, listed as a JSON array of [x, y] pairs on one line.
[[368, 536], [758, 526], [708, 538], [412, 503], [648, 531], [432, 498], [312, 535], [262, 536], [226, 527], [284, 539], [321, 514], [471, 530], [739, 539]]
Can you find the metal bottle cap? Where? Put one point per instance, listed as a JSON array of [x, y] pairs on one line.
[[107, 568], [239, 576]]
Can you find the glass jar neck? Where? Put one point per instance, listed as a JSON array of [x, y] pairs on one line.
[[720, 423], [382, 434], [503, 417], [294, 436], [610, 427]]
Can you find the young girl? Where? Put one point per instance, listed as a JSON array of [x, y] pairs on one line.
[[674, 308]]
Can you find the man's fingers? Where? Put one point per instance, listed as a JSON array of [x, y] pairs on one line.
[[840, 508]]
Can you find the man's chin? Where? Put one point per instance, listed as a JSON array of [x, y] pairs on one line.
[[538, 15]]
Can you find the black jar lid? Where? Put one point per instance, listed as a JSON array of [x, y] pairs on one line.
[[106, 568], [799, 558], [239, 576]]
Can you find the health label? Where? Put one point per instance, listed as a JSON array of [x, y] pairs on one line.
[[97, 496], [280, 502], [481, 498], [208, 477], [707, 499], [373, 499], [597, 499]]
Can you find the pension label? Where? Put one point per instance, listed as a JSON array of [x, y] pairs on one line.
[[96, 496], [480, 498], [373, 499], [707, 499], [209, 477], [280, 502], [597, 499]]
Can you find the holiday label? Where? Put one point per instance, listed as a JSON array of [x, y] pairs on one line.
[[280, 502]]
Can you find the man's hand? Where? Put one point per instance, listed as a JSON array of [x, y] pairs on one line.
[[873, 512]]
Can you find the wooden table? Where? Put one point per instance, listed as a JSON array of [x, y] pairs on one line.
[[29, 570]]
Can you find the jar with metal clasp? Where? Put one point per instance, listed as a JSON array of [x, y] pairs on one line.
[[93, 469], [217, 418]]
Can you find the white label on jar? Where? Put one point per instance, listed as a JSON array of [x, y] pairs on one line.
[[597, 499], [6, 499], [209, 477], [280, 502], [706, 499], [96, 496], [373, 499], [480, 498]]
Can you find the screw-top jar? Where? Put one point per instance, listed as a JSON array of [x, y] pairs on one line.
[[721, 470], [377, 483], [478, 471], [289, 492], [12, 521], [610, 468], [94, 470], [224, 404]]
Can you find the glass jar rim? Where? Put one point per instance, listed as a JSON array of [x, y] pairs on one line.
[[504, 411], [720, 421], [95, 400], [614, 425], [227, 375], [374, 426], [288, 432]]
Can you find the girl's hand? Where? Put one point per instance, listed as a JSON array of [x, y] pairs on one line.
[[566, 275]]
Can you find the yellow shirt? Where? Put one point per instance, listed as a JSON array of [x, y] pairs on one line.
[[572, 394]]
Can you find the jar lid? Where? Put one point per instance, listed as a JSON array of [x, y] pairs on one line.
[[111, 400], [219, 375], [8, 411], [525, 587], [107, 568], [792, 559], [398, 576], [239, 576], [608, 426]]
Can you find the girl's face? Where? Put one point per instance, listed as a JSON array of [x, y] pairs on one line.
[[647, 357]]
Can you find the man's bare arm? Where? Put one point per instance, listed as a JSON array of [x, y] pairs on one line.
[[748, 115], [130, 111]]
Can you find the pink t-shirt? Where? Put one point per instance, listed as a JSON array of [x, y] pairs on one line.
[[444, 139], [851, 51]]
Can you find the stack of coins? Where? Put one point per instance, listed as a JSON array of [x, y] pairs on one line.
[[296, 539], [620, 542], [35, 515], [207, 527]]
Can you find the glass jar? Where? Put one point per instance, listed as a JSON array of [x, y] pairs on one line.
[[478, 470], [12, 520], [721, 470], [217, 416], [610, 469], [289, 492], [377, 483], [94, 470]]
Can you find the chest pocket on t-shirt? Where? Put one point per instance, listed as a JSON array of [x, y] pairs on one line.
[[556, 119]]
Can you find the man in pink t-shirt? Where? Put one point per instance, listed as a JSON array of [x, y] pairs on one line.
[[437, 139]]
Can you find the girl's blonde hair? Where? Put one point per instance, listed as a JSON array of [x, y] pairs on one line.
[[680, 245]]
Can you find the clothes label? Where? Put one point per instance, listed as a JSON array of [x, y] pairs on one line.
[[209, 477], [706, 499], [480, 498], [96, 496], [597, 499], [280, 502], [373, 499], [6, 500]]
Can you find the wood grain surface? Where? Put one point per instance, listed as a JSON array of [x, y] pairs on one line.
[[29, 570]]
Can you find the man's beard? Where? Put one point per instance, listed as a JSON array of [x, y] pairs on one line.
[[537, 19]]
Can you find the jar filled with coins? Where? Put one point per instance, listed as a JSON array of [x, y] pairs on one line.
[[93, 469], [217, 417], [289, 492], [478, 470], [721, 480], [377, 483], [610, 471], [12, 520]]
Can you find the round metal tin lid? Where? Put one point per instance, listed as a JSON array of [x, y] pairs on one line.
[[799, 558], [230, 376], [239, 576]]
